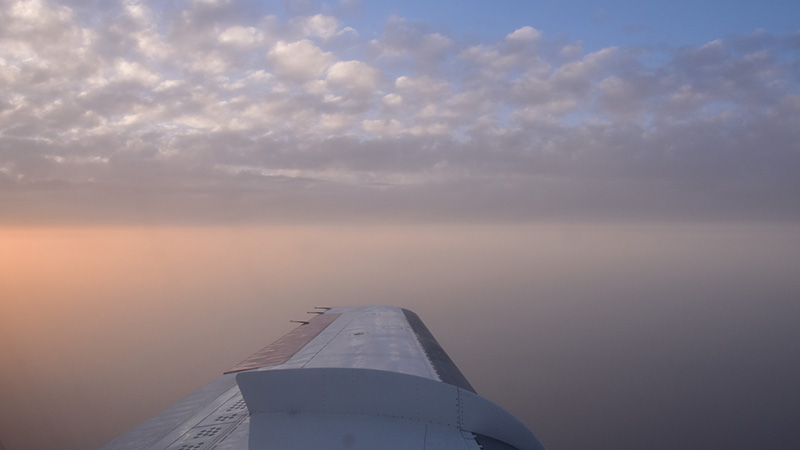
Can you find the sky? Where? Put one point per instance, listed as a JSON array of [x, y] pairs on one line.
[[610, 187], [223, 111]]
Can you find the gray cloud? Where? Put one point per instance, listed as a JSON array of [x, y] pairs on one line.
[[210, 114]]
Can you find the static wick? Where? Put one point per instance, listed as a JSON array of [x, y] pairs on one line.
[[302, 322]]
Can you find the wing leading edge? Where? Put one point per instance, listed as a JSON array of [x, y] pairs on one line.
[[359, 377]]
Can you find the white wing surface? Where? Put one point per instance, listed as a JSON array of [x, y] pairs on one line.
[[362, 377]]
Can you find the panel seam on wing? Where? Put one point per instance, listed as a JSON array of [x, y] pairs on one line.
[[308, 361]]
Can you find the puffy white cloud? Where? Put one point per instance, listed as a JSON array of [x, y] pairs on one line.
[[580, 74], [322, 26], [392, 100], [545, 113], [300, 60], [534, 90], [402, 38], [36, 14], [390, 127], [242, 36], [46, 38], [491, 61], [425, 87], [132, 72], [211, 63], [526, 34], [356, 77], [435, 43], [622, 99], [570, 51], [334, 123], [212, 2]]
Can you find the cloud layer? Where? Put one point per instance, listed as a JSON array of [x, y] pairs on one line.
[[215, 111]]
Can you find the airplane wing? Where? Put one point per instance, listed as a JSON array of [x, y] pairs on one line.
[[361, 377]]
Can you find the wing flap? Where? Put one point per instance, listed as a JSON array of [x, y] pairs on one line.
[[287, 346]]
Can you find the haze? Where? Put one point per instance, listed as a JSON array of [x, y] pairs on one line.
[[604, 336]]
